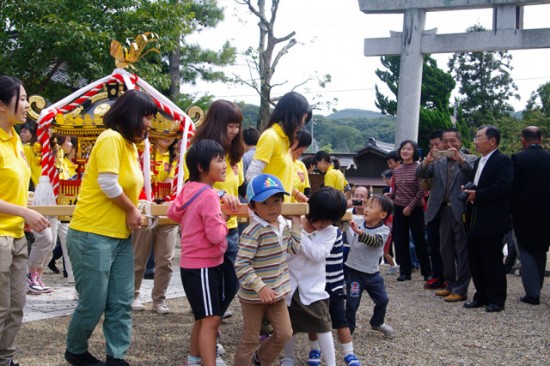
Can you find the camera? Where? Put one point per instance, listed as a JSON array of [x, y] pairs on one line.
[[443, 153], [468, 186], [355, 202]]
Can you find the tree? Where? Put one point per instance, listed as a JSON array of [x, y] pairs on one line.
[[486, 85], [71, 40], [437, 86], [265, 58]]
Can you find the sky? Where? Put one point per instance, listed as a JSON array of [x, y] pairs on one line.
[[330, 37]]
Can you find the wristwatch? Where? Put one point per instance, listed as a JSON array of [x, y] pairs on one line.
[[221, 193]]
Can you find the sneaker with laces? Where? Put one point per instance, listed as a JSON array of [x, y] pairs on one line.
[[351, 360], [83, 359], [137, 305], [111, 361], [314, 358], [33, 287], [161, 308], [46, 289], [386, 329], [228, 314]]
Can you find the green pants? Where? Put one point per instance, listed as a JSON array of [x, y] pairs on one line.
[[104, 275]]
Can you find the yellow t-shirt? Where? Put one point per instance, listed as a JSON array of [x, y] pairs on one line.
[[15, 176], [234, 178], [36, 167], [164, 168], [70, 167], [301, 177], [273, 149], [335, 178], [95, 212]]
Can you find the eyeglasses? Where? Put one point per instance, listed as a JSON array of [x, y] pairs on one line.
[[480, 138]]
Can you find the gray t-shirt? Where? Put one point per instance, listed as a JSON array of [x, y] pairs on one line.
[[366, 250]]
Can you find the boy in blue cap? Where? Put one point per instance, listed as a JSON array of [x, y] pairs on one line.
[[262, 270]]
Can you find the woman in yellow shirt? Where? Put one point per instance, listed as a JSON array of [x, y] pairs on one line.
[[273, 150], [161, 241], [98, 240], [333, 176], [14, 215]]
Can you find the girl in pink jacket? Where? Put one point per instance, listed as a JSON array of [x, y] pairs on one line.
[[203, 244]]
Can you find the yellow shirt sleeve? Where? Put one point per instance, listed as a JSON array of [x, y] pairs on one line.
[[234, 178]]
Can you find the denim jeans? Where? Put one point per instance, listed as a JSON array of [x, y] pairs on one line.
[[356, 284], [104, 276], [230, 280]]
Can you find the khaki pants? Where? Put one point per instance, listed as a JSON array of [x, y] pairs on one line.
[[13, 289], [162, 240], [269, 351]]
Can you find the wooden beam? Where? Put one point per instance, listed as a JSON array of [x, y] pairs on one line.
[[464, 42], [399, 6]]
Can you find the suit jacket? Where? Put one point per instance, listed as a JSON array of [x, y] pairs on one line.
[[489, 215], [437, 172], [531, 198]]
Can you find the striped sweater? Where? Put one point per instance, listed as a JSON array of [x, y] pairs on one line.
[[262, 258], [408, 191], [335, 265]]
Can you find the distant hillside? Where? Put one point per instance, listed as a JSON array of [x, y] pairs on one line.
[[355, 113]]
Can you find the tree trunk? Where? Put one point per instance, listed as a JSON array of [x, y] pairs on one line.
[[175, 81]]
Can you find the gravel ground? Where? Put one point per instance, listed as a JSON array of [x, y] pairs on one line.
[[429, 332]]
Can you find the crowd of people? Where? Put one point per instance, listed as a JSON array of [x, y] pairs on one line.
[[292, 274]]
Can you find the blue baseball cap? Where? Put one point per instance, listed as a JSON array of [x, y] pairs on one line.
[[263, 186]]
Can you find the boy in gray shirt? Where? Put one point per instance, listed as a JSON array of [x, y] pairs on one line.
[[367, 235]]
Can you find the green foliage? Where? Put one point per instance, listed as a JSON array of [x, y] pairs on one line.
[[486, 85], [40, 38], [437, 86]]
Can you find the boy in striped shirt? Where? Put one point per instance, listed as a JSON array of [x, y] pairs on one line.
[[262, 270]]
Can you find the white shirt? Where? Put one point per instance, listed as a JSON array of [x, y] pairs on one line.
[[307, 268], [481, 165]]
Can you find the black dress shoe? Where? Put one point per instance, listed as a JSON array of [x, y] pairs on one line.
[[492, 308], [404, 277], [472, 304], [83, 359], [530, 300], [53, 267]]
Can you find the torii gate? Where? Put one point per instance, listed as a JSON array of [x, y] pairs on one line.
[[414, 42]]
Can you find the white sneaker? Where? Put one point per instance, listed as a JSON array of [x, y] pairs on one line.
[[219, 349], [227, 314], [161, 308], [137, 305], [386, 329], [287, 362], [219, 361]]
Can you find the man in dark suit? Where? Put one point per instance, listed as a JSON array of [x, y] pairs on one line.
[[448, 174], [530, 205], [488, 220]]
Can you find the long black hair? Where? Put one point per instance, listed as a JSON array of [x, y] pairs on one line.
[[10, 87], [289, 112], [126, 115]]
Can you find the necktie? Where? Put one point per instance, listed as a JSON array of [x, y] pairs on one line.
[[480, 166]]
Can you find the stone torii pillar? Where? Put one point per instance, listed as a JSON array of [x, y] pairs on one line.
[[413, 42]]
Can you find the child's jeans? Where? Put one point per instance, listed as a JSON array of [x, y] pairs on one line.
[[358, 282], [269, 351]]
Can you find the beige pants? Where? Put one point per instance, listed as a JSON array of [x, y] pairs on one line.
[[13, 289], [162, 240]]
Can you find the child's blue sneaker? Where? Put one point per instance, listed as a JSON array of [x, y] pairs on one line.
[[314, 358], [351, 360]]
